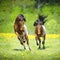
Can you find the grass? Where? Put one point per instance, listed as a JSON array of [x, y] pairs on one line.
[[10, 49]]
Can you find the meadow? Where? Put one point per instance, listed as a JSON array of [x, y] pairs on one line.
[[11, 49]]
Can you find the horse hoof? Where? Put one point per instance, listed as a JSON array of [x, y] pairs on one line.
[[30, 49], [39, 47], [24, 48], [37, 44], [44, 47]]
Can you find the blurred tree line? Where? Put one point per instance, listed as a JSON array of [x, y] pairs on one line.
[[8, 6], [28, 3], [9, 9]]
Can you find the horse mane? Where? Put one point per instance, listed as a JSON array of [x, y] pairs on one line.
[[42, 18], [19, 17], [17, 25], [17, 20]]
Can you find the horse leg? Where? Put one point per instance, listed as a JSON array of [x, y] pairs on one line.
[[27, 42], [36, 38], [39, 43], [24, 46], [21, 42], [43, 42]]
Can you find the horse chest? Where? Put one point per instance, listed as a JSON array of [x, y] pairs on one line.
[[21, 31], [22, 28], [39, 30]]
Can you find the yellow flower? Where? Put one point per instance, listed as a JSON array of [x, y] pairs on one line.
[[9, 35]]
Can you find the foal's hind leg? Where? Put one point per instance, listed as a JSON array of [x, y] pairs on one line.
[[43, 42]]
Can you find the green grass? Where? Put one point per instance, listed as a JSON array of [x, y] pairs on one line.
[[10, 49]]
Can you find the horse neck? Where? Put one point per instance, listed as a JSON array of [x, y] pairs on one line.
[[21, 30], [39, 29]]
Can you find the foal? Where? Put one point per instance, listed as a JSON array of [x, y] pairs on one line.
[[21, 31], [39, 32]]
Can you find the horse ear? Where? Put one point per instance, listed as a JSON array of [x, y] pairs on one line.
[[21, 15], [24, 19]]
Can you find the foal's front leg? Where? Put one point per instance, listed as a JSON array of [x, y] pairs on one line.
[[24, 46], [36, 38], [22, 43], [39, 43], [43, 42]]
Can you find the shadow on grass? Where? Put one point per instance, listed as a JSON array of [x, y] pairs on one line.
[[18, 49], [44, 48]]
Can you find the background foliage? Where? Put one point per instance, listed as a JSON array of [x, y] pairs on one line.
[[9, 9]]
